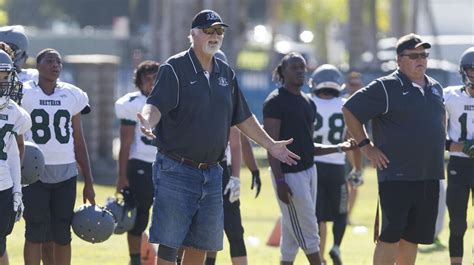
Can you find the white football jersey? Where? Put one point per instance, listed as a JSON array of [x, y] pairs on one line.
[[28, 74], [51, 117], [329, 127], [460, 111], [126, 109], [13, 121]]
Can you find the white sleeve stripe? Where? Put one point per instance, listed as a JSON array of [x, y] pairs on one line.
[[177, 81], [386, 96]]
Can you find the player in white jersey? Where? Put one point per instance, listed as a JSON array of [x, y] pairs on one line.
[[326, 85], [137, 153], [14, 122], [459, 101], [55, 109]]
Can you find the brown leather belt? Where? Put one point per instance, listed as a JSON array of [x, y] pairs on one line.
[[189, 162]]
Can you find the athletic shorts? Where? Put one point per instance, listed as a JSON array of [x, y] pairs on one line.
[[409, 210], [48, 211], [332, 191], [187, 210]]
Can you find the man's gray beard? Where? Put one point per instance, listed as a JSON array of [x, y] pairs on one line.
[[212, 51]]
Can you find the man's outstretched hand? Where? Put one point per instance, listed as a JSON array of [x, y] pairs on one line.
[[145, 126], [279, 151]]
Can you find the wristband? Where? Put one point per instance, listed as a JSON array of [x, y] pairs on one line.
[[280, 180], [363, 143], [447, 144]]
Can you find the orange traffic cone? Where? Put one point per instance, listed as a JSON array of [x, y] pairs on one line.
[[274, 239], [148, 251]]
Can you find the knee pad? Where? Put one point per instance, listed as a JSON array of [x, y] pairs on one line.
[[61, 232], [237, 248], [141, 222], [167, 253]]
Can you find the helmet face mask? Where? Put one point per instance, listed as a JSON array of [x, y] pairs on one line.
[[10, 86], [124, 211], [467, 62]]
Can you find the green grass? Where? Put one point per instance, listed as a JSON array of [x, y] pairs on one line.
[[259, 216]]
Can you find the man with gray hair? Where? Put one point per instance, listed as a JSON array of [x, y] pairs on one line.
[[195, 101]]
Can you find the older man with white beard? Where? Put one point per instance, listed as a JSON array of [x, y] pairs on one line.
[[195, 101]]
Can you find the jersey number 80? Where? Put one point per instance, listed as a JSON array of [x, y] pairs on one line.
[[41, 131]]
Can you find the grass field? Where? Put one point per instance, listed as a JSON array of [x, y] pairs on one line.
[[259, 216]]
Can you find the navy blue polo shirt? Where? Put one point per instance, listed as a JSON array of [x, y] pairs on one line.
[[408, 126], [196, 112]]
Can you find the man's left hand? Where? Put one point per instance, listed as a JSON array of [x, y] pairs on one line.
[[256, 181], [279, 151]]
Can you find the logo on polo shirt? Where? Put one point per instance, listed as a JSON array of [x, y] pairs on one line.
[[435, 92], [222, 81]]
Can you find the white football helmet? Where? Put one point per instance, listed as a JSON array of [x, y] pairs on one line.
[[16, 38]]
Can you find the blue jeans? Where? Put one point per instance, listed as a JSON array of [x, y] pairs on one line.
[[187, 210]]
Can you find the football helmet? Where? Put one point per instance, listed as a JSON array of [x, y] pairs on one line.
[[10, 86], [124, 210], [467, 61], [93, 223], [32, 166], [221, 55], [326, 76], [16, 38]]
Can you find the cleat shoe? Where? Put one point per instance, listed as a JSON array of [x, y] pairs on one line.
[[335, 255]]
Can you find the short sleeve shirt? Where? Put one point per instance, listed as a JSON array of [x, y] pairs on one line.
[[51, 116], [126, 109], [408, 126], [297, 114], [13, 121], [196, 112]]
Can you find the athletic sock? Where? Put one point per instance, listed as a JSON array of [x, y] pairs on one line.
[[135, 259], [210, 261]]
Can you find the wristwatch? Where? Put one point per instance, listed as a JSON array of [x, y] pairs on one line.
[[363, 143]]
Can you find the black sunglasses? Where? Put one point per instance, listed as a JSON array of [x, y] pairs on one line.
[[415, 56], [211, 30]]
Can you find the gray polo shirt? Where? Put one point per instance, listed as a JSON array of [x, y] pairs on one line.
[[407, 125], [196, 112]]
